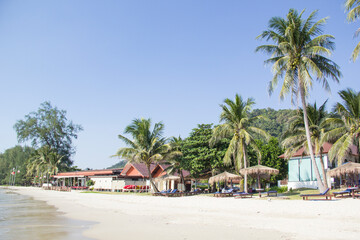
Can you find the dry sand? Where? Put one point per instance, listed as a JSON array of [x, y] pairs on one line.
[[203, 217]]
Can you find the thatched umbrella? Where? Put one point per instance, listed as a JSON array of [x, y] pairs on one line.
[[225, 176], [349, 168], [259, 171], [346, 168]]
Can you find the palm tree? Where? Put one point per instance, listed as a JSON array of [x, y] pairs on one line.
[[148, 146], [298, 55], [353, 9], [44, 160], [177, 163], [295, 136], [347, 125], [238, 126]]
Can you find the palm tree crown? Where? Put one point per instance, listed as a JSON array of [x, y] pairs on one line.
[[347, 125], [237, 126], [299, 53], [353, 9]]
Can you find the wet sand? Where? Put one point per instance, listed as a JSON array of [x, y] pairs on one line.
[[203, 217], [22, 217]]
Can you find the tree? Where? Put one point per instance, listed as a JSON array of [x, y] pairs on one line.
[[298, 56], [270, 153], [49, 127], [238, 126], [12, 158], [353, 9], [295, 136], [346, 125], [148, 146], [199, 158], [177, 163]]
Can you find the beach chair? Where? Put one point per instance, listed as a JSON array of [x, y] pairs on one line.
[[226, 193], [173, 193], [161, 193], [243, 195], [322, 196], [342, 193], [272, 193]]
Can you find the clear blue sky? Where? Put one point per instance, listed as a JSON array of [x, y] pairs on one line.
[[108, 62]]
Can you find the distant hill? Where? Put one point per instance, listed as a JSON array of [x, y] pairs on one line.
[[120, 164], [277, 120]]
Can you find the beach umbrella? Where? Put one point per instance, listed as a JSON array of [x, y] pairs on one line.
[[259, 171], [225, 176], [346, 168]]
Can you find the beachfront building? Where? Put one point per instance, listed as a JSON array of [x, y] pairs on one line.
[[301, 170], [78, 179], [165, 181]]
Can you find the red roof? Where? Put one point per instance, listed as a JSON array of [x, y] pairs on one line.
[[326, 148], [89, 173]]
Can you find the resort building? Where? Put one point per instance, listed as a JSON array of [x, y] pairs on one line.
[[134, 174], [301, 170], [79, 178]]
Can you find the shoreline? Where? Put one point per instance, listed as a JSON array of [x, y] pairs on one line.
[[200, 217]]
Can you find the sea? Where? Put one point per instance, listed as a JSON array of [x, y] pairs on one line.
[[22, 217]]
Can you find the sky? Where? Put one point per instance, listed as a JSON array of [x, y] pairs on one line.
[[109, 62]]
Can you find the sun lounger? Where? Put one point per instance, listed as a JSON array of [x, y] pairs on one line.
[[173, 193], [161, 193], [243, 195], [322, 196], [342, 193], [272, 193], [227, 193]]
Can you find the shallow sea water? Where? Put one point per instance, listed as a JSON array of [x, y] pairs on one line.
[[22, 217]]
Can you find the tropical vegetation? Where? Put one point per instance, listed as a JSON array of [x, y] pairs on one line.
[[147, 145], [299, 54], [238, 126], [295, 136], [353, 13], [346, 126]]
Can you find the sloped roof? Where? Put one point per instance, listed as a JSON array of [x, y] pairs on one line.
[[89, 173], [326, 148]]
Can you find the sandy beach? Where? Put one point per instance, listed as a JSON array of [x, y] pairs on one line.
[[204, 217]]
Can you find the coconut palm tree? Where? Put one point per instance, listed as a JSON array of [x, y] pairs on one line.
[[295, 136], [44, 161], [353, 9], [177, 163], [346, 125], [148, 146], [299, 54], [238, 126]]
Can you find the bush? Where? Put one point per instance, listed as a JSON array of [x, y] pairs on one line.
[[90, 183], [279, 189]]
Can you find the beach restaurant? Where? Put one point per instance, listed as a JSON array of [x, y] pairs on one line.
[[78, 179], [301, 170]]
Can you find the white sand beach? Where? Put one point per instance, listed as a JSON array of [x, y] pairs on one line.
[[202, 217]]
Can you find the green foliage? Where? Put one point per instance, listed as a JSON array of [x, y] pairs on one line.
[[274, 121], [120, 164], [49, 127], [90, 183], [12, 158], [353, 13], [270, 153], [279, 189], [199, 157]]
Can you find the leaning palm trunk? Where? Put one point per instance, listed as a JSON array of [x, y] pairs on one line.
[[323, 169], [306, 122], [150, 179]]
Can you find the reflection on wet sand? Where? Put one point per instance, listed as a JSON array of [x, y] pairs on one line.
[[21, 217]]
